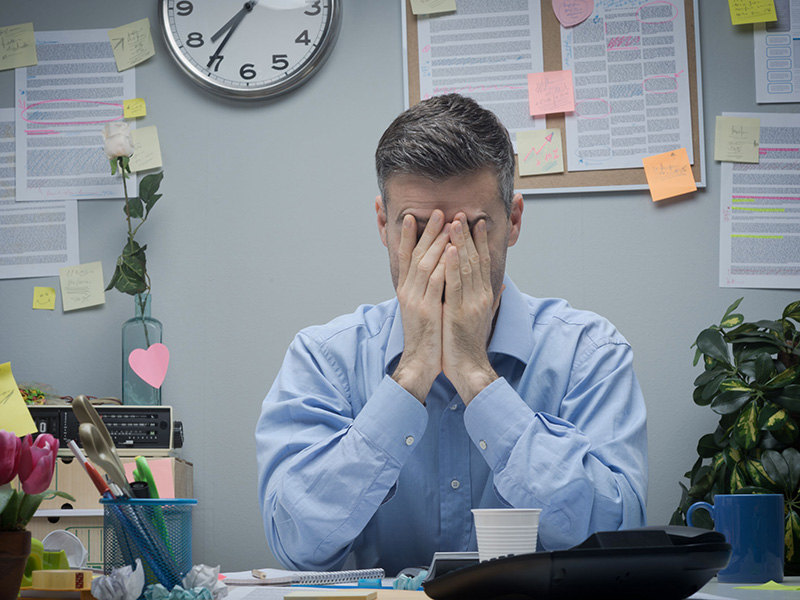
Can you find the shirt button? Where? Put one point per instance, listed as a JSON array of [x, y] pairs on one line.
[[455, 484], [482, 444], [454, 407], [409, 440]]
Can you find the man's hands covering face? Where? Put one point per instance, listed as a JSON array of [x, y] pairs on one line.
[[446, 301]]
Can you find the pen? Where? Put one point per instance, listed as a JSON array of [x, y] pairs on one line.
[[96, 478]]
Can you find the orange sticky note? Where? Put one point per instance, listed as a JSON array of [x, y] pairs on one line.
[[669, 174], [550, 92]]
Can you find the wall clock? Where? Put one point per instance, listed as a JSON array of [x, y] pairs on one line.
[[254, 49]]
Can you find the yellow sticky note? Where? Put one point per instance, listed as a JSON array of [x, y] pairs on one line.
[[752, 11], [550, 92], [146, 149], [669, 174], [82, 286], [132, 44], [737, 139], [429, 7], [44, 298], [134, 108], [539, 152], [14, 414], [17, 46]]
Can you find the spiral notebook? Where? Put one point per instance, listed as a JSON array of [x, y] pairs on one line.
[[281, 577]]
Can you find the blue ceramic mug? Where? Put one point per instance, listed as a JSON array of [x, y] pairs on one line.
[[753, 526]]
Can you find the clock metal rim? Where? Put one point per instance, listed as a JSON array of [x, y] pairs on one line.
[[285, 85]]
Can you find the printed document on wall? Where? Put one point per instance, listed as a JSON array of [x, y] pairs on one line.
[[36, 239], [484, 50], [630, 68], [759, 241], [61, 107], [777, 54]]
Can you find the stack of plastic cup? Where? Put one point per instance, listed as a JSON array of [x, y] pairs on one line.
[[506, 531]]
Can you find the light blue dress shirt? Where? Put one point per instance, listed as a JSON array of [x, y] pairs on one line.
[[355, 472]]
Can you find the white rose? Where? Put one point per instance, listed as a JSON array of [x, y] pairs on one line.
[[118, 140]]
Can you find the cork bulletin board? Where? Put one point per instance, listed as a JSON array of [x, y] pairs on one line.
[[582, 181]]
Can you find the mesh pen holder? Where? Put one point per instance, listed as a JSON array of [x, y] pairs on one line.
[[157, 531]]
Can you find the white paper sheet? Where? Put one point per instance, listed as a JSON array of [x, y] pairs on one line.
[[61, 106], [759, 241], [630, 69], [36, 240], [777, 55], [484, 50]]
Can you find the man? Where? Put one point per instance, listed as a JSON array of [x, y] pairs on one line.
[[386, 426]]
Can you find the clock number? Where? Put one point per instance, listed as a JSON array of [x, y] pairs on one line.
[[303, 38], [247, 71], [279, 62], [316, 5], [195, 39], [184, 8], [214, 58]]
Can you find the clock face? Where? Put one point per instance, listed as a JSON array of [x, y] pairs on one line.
[[254, 49]]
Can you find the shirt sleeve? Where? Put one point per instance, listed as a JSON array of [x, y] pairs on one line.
[[323, 470], [586, 466]]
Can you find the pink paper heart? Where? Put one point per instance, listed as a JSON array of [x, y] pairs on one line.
[[572, 12], [151, 364]]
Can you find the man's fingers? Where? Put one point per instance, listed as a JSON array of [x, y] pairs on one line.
[[453, 284], [408, 239], [482, 247]]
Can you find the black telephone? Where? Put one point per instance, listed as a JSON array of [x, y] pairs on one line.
[[658, 563]]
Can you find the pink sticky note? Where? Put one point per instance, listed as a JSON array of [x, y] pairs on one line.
[[151, 364], [550, 92], [572, 12]]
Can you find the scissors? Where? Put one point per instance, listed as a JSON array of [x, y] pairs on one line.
[[97, 441]]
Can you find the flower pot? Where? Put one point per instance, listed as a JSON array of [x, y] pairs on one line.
[[15, 547]]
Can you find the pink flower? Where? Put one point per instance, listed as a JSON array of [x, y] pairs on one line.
[[36, 463], [9, 456]]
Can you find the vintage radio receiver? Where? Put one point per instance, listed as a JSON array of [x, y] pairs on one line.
[[135, 430]]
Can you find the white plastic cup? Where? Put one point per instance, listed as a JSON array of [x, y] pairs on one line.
[[506, 531]]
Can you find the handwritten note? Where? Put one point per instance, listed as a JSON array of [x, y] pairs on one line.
[[44, 298], [146, 149], [132, 44], [134, 108], [669, 174], [82, 286], [571, 12], [752, 11], [14, 414], [17, 46], [550, 92], [429, 7], [539, 152], [737, 139]]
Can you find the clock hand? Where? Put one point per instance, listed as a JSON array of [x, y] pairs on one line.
[[248, 6], [230, 27]]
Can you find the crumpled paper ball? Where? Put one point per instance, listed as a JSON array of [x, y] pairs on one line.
[[159, 592], [207, 577], [123, 583]]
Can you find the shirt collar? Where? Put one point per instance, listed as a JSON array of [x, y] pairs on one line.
[[513, 333]]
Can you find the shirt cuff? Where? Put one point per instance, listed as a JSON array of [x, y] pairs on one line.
[[495, 432], [393, 420]]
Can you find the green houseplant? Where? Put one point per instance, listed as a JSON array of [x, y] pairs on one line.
[[750, 380]]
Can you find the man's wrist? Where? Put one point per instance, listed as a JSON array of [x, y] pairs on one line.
[[475, 381], [413, 381]]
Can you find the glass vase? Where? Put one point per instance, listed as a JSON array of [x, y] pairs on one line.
[[141, 331]]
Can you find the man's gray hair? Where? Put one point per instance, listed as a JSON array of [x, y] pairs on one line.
[[446, 136]]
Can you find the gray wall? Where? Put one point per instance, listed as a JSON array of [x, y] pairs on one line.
[[267, 225]]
